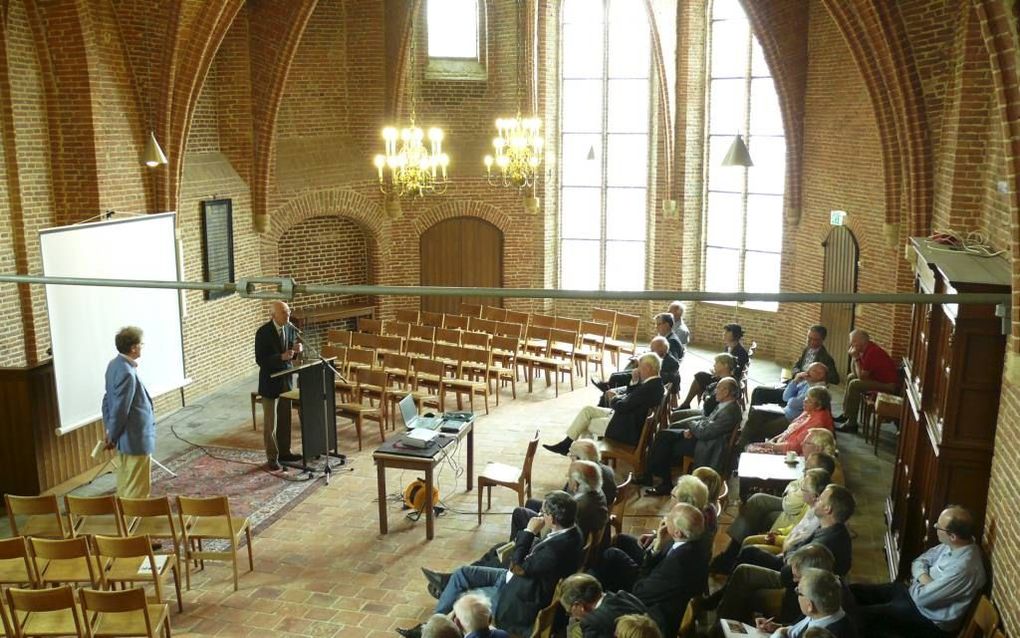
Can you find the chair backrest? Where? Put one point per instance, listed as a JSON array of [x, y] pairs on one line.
[[546, 619], [476, 356], [156, 508], [429, 366], [475, 339], [423, 332], [334, 351], [419, 348], [459, 322], [482, 325], [448, 335], [626, 327], [471, 310], [567, 323], [407, 316], [363, 340], [983, 620], [596, 331], [374, 377], [447, 351], [390, 343], [544, 321], [67, 549], [371, 326], [81, 507], [505, 345], [395, 361], [361, 355], [33, 506], [686, 629], [529, 459], [123, 546], [16, 548], [563, 341], [117, 602], [605, 316], [203, 506], [513, 316], [395, 329], [44, 600], [434, 319], [508, 329], [537, 333], [494, 314], [339, 337]]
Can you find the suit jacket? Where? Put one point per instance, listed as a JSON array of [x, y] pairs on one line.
[[669, 372], [268, 349], [608, 483], [712, 434], [601, 622], [822, 356], [541, 565], [837, 539], [631, 409], [127, 409], [676, 347], [592, 512], [672, 579]]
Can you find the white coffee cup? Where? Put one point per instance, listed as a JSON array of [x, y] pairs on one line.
[[791, 457]]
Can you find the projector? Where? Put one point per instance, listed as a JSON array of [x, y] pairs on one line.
[[420, 438]]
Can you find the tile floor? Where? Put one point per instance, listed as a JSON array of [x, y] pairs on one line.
[[324, 570]]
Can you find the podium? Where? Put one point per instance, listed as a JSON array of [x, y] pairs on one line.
[[316, 397]]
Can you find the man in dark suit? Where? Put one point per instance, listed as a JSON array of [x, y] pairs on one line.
[[582, 597], [519, 593], [625, 416], [128, 418], [584, 481], [706, 440], [620, 382], [674, 569], [813, 352], [275, 349], [664, 326]]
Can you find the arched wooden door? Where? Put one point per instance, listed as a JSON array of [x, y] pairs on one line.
[[840, 275], [462, 251]]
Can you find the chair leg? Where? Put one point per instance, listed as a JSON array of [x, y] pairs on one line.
[[251, 558], [253, 424], [233, 562], [357, 428], [488, 502], [520, 498], [176, 573], [480, 504]]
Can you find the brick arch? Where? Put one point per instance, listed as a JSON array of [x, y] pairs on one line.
[[463, 208], [867, 242]]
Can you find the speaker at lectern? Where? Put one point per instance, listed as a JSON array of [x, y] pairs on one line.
[[316, 397]]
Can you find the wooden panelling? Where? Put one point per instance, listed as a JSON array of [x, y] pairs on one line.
[[462, 251], [33, 457], [839, 275]]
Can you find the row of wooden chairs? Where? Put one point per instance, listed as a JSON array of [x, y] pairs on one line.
[[198, 520], [94, 614]]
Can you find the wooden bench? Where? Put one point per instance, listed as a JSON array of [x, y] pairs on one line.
[[334, 312]]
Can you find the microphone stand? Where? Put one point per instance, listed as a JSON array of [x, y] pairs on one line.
[[327, 471]]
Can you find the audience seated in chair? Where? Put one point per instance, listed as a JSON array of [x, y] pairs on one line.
[[722, 366], [816, 415], [664, 327], [625, 380], [625, 417], [945, 580], [732, 334], [814, 352], [584, 482], [584, 600], [680, 329], [820, 597], [766, 421], [705, 439], [873, 370], [473, 614]]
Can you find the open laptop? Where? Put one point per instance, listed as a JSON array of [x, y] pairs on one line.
[[413, 420]]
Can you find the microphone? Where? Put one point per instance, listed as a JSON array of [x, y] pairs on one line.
[[296, 329]]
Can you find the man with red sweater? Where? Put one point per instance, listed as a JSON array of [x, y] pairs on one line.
[[873, 370]]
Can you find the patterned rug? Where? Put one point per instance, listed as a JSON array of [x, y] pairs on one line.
[[261, 496]]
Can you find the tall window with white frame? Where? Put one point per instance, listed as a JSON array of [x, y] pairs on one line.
[[453, 29], [743, 229], [604, 119]]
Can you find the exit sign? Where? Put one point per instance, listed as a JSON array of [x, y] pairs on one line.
[[836, 217]]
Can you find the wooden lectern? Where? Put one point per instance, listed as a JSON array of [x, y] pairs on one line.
[[316, 397]]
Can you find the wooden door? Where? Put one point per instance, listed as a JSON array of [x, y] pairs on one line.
[[462, 251], [840, 275]]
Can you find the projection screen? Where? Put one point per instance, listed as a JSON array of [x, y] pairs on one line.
[[85, 319]]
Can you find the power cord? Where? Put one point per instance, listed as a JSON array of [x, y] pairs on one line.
[[950, 241]]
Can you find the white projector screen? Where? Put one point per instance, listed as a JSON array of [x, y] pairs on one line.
[[85, 319]]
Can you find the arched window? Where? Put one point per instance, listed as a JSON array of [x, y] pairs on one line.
[[743, 229], [604, 124]]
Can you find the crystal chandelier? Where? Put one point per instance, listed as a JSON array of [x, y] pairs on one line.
[[518, 152], [408, 167]]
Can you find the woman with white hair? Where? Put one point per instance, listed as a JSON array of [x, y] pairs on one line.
[[473, 614]]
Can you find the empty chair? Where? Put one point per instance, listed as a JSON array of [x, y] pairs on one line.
[[494, 314], [359, 359], [470, 310], [430, 375], [93, 515], [608, 317], [513, 316], [567, 323], [434, 319], [123, 613], [482, 325], [395, 329], [65, 561], [407, 316], [423, 333], [397, 368], [624, 339], [122, 557], [456, 322], [209, 518], [473, 363], [499, 474], [41, 516], [365, 340], [507, 329], [388, 343], [593, 344], [504, 363], [371, 326], [448, 335], [373, 385], [16, 563], [339, 338], [542, 321], [420, 348], [476, 340], [44, 612], [151, 517]]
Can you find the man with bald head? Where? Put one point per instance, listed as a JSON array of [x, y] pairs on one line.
[[873, 370], [944, 582], [275, 348]]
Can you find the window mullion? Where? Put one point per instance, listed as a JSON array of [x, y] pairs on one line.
[[743, 199], [604, 137]]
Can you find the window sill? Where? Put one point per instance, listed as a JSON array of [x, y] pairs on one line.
[[451, 69]]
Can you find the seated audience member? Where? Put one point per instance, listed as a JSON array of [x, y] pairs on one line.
[[764, 512], [584, 482], [814, 352], [637, 626], [620, 382], [474, 614], [625, 417], [773, 593], [944, 582], [713, 509], [680, 329], [819, 595], [816, 414], [586, 450], [766, 421], [873, 370], [706, 440], [732, 334], [518, 593], [440, 626], [595, 610], [780, 540], [664, 327], [823, 441], [722, 367]]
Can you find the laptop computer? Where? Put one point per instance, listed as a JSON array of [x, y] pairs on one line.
[[413, 420]]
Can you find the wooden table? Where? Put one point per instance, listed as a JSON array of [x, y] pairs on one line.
[[769, 473], [426, 464]]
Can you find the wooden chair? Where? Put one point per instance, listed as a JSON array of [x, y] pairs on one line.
[[507, 329], [494, 314], [521, 318], [542, 321], [65, 561], [567, 323], [482, 325], [983, 621], [449, 336], [455, 322], [94, 515], [423, 333], [374, 386], [364, 340], [255, 399], [407, 316], [151, 517], [16, 563], [593, 347], [528, 354], [618, 508], [504, 363], [417, 348], [883, 407], [687, 623], [357, 412], [131, 560], [395, 329], [209, 518], [624, 339], [470, 310], [43, 512], [614, 451], [5, 622], [44, 612], [546, 619], [397, 368], [430, 375], [356, 359], [608, 317], [371, 326], [471, 362], [499, 474], [559, 342], [339, 338], [434, 319], [123, 613]]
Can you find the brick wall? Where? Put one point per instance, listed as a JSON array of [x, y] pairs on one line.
[[325, 250]]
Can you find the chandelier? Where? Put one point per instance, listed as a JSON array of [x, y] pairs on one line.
[[408, 166], [518, 144]]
